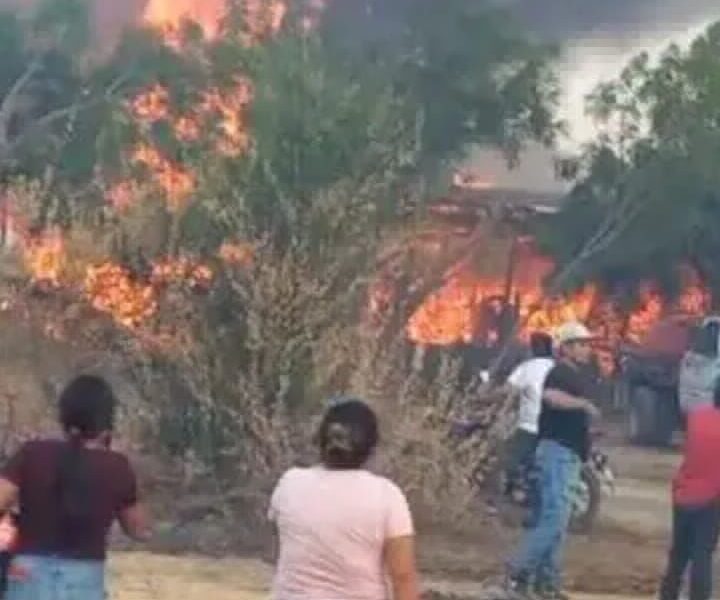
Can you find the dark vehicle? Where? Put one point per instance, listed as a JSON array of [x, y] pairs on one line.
[[646, 381], [596, 480]]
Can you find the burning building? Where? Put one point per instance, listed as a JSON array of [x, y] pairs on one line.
[[498, 288]]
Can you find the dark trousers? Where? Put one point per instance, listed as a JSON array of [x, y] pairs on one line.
[[5, 558], [695, 535], [520, 456]]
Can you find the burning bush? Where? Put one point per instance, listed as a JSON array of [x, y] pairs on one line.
[[269, 190]]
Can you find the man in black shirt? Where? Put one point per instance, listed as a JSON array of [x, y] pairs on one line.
[[563, 446]]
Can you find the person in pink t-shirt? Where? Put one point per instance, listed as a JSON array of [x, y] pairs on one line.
[[344, 533]]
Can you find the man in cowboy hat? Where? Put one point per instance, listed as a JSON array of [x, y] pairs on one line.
[[564, 444]]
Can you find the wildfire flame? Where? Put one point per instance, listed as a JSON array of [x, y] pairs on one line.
[[176, 182], [169, 14], [152, 105], [237, 254], [231, 109], [262, 18], [469, 308], [44, 257], [181, 270], [111, 289], [222, 113]]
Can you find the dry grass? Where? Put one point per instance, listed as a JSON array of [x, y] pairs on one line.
[[142, 576]]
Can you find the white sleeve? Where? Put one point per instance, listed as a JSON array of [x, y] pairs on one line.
[[517, 377]]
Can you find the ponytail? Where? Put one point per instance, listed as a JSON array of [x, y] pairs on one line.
[[87, 408], [74, 487]]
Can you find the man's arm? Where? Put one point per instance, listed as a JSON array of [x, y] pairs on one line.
[[564, 401]]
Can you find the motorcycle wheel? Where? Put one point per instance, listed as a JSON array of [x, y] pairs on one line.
[[585, 501]]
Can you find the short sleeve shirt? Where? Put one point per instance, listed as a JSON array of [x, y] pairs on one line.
[[569, 428], [34, 470], [529, 379], [333, 526]]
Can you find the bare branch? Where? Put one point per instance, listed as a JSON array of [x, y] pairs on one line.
[[9, 103], [59, 114]]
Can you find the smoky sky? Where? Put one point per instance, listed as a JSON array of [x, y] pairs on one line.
[[564, 19], [596, 37]]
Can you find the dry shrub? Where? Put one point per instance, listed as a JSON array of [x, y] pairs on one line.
[[438, 470], [236, 400], [232, 383]]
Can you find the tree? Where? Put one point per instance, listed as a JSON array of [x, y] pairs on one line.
[[655, 162], [44, 82], [472, 74], [343, 143]]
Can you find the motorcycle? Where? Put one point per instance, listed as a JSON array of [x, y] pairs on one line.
[[596, 481]]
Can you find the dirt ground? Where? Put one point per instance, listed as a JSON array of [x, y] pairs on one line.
[[622, 557]]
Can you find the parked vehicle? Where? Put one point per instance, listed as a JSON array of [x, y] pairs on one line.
[[700, 366], [596, 481], [647, 378]]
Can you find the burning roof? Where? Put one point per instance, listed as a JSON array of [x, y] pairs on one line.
[[490, 203]]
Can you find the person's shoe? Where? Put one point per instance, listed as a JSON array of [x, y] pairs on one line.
[[516, 588], [547, 592]]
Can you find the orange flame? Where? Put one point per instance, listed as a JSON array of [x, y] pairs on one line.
[[231, 109], [151, 106], [469, 308], [263, 18], [44, 257], [169, 14], [122, 196], [111, 289], [188, 129], [237, 254], [177, 183], [181, 270]]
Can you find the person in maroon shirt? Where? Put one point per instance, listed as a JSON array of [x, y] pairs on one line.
[[69, 492], [696, 506]]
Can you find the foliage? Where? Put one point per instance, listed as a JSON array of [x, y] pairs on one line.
[[344, 142], [472, 75], [43, 82], [654, 163]]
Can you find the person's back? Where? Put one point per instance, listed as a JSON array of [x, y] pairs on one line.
[[341, 529], [698, 478], [69, 492], [43, 530], [529, 379], [333, 527]]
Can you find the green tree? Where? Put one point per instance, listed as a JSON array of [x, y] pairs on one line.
[[347, 139], [654, 167]]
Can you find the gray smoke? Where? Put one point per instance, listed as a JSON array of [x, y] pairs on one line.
[[565, 19], [597, 38]]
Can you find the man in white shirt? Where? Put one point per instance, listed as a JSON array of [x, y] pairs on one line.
[[528, 379]]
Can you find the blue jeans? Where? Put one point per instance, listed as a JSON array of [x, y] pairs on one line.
[[541, 550], [49, 578]]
